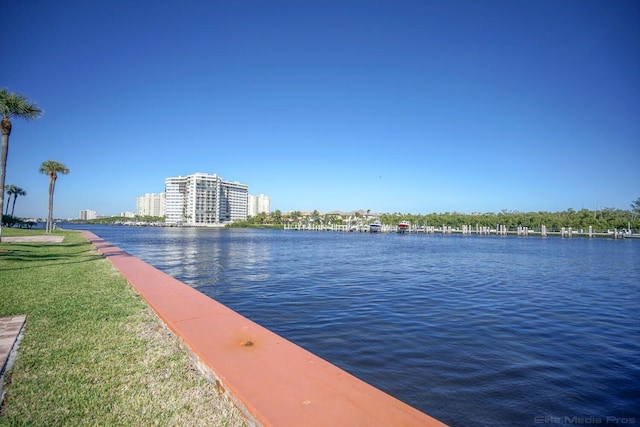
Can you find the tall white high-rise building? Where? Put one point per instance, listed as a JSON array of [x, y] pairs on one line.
[[233, 201], [174, 208], [258, 204], [88, 214], [203, 199], [150, 204]]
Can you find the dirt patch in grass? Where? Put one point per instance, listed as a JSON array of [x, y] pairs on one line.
[[34, 239]]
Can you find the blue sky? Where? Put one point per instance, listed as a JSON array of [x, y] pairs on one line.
[[394, 106]]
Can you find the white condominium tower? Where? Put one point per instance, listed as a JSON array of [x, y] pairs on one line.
[[203, 199], [258, 204], [88, 214], [150, 204]]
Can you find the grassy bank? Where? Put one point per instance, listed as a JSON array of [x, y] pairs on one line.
[[93, 352]]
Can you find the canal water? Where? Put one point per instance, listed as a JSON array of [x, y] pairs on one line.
[[473, 330]]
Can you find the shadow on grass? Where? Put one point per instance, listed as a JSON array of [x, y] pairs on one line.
[[42, 261], [31, 255]]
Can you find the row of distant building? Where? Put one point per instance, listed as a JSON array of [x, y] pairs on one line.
[[198, 199]]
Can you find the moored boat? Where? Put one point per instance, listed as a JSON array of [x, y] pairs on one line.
[[403, 227], [375, 227]]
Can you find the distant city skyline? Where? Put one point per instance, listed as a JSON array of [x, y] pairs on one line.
[[413, 107]]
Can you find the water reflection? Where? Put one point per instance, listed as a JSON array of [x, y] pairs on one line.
[[213, 261]]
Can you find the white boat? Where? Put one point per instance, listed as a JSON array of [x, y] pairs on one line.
[[375, 227]]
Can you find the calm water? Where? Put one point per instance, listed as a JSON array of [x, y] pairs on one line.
[[473, 330]]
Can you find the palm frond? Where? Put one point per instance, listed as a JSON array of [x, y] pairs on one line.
[[18, 105]]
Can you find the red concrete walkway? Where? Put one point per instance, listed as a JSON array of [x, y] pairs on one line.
[[273, 381]]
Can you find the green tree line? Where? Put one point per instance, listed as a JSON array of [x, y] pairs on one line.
[[601, 220]]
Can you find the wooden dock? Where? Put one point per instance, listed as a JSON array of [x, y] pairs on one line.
[[500, 230]]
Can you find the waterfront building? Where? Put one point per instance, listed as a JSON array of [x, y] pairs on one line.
[[258, 204], [88, 214], [252, 205], [151, 204], [127, 214], [202, 199], [174, 209]]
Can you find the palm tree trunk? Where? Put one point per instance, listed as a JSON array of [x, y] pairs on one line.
[[6, 131], [6, 211], [52, 186], [13, 207]]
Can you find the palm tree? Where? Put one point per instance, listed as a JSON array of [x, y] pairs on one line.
[[52, 168], [9, 190], [635, 209], [12, 105], [15, 191], [19, 192]]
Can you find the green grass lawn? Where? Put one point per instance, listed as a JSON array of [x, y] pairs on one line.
[[93, 352]]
